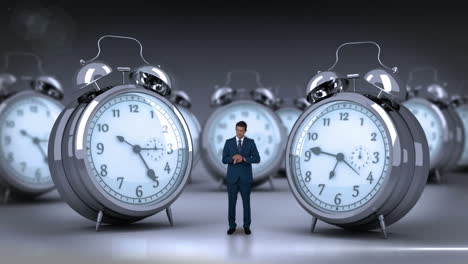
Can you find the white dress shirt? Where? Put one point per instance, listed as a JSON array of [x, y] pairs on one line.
[[242, 144]]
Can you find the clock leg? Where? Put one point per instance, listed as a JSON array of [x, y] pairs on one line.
[[98, 220], [6, 195], [314, 222], [272, 186], [169, 216], [382, 226], [438, 177], [221, 184]]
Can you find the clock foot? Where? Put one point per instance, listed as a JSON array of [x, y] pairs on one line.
[[382, 226], [272, 186], [6, 196], [437, 176], [169, 216], [98, 220], [314, 222], [189, 181], [221, 184]]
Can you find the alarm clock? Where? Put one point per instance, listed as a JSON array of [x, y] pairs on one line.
[[461, 107], [121, 153], [444, 129], [357, 158], [288, 116], [28, 108], [264, 126]]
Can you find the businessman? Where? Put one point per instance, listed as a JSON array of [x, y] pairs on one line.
[[239, 153]]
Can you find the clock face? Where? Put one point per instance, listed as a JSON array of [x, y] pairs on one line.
[[262, 126], [194, 127], [339, 156], [463, 113], [288, 116], [137, 150], [25, 127], [431, 124]]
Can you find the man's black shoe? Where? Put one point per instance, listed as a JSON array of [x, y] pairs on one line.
[[231, 231], [247, 231]]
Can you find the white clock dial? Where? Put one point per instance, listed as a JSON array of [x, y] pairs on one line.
[[463, 113], [261, 127], [340, 156], [288, 116], [136, 148], [195, 130], [431, 124], [24, 133]]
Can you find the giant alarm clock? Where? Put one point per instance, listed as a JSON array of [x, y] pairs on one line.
[[28, 109], [355, 159], [429, 102], [264, 126], [122, 153], [289, 115]]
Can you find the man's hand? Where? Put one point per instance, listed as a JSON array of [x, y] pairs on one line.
[[237, 158]]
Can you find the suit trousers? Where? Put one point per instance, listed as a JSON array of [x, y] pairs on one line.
[[244, 189]]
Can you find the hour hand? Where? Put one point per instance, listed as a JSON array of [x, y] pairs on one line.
[[317, 151]]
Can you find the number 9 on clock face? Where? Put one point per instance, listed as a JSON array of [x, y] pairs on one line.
[[136, 148], [339, 157]]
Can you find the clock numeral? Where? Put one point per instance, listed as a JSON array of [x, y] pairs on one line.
[[38, 175], [156, 184], [138, 191], [100, 148], [133, 108], [321, 186], [312, 136], [270, 139], [232, 116], [167, 168], [23, 166], [169, 146], [116, 113], [245, 114], [103, 127], [356, 190], [338, 199], [344, 116], [362, 121], [326, 122], [222, 125], [10, 123], [164, 130], [370, 178], [19, 112], [308, 178], [376, 157], [267, 126], [103, 172], [10, 157], [308, 155], [152, 114], [33, 109], [374, 137], [267, 151], [121, 179], [7, 140]]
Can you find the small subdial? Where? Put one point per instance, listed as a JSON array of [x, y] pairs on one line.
[[155, 149], [359, 157]]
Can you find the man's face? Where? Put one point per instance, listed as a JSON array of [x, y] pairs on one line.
[[240, 131]]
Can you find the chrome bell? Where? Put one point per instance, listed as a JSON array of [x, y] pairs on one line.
[[264, 96], [387, 84], [437, 92], [6, 80], [222, 96], [48, 85], [324, 85], [153, 78], [181, 98], [90, 73], [301, 103]]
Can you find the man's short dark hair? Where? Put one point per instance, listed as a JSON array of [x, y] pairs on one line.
[[242, 124]]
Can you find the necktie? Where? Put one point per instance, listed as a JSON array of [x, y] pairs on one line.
[[239, 145]]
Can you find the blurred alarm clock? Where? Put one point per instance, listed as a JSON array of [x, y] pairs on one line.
[[461, 107], [26, 119], [354, 159], [429, 102], [289, 115], [121, 153], [263, 126]]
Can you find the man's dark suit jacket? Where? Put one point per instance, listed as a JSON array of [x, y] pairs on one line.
[[240, 171]]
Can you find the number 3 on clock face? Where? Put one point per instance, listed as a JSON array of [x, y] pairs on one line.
[[135, 148], [341, 156]]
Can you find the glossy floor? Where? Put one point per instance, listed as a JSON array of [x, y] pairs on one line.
[[47, 230]]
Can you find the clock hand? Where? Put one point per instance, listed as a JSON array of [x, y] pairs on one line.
[[155, 148], [36, 142], [318, 151], [332, 173], [137, 149], [340, 157]]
